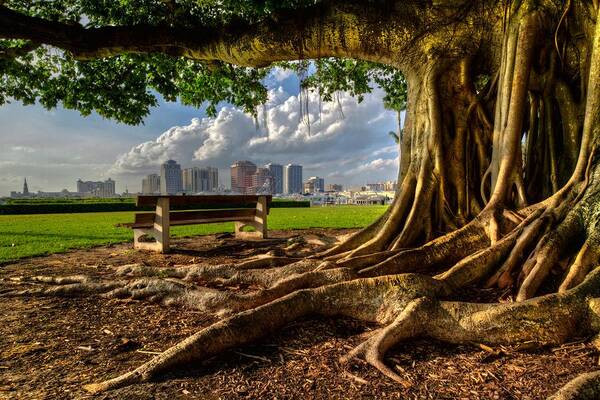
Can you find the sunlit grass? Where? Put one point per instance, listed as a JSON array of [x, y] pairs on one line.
[[31, 235]]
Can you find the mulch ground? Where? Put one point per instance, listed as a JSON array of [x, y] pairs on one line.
[[50, 347]]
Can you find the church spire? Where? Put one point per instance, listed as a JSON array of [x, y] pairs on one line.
[[25, 188]]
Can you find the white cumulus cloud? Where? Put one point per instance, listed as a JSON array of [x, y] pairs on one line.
[[348, 140]]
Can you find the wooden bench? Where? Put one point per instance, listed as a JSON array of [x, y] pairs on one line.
[[157, 224]]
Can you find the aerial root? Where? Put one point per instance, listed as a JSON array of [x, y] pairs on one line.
[[407, 305], [484, 262], [587, 258], [360, 262], [237, 330], [407, 325], [167, 291], [207, 272], [547, 254], [356, 239], [525, 234], [361, 299], [584, 387], [266, 277], [60, 280], [338, 256], [262, 271], [447, 249]]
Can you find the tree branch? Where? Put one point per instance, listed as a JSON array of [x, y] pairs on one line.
[[290, 37], [14, 52], [373, 31]]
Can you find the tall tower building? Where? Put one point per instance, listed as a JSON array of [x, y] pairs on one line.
[[292, 179], [189, 179], [151, 184], [276, 171], [25, 188], [197, 179], [262, 181], [107, 188], [96, 188], [213, 179], [314, 184], [241, 176], [170, 178]]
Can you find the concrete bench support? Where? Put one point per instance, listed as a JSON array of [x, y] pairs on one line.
[[233, 208]]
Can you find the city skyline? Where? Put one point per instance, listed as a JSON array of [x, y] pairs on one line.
[[349, 150], [223, 179], [151, 185]]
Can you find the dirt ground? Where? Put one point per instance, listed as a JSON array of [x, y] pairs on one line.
[[50, 347]]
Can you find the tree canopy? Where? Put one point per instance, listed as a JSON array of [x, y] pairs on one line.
[[124, 86]]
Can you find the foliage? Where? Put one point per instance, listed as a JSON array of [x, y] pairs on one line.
[[31, 235], [125, 87], [356, 77]]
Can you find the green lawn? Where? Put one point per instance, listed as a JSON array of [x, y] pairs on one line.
[[31, 235]]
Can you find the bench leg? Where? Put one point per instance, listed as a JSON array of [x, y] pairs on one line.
[[160, 231], [259, 223], [260, 219], [139, 232], [240, 234], [162, 224]]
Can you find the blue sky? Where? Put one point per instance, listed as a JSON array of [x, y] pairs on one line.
[[54, 148]]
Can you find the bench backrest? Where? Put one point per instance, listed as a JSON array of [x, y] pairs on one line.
[[198, 217], [221, 201]]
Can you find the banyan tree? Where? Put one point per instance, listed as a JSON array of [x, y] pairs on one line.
[[499, 178]]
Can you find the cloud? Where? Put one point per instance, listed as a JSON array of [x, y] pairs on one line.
[[379, 165], [23, 149], [349, 135]]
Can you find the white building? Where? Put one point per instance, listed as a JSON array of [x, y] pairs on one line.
[[292, 179], [314, 184], [151, 184], [97, 189], [197, 180]]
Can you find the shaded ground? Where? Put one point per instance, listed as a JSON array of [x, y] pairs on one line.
[[50, 347]]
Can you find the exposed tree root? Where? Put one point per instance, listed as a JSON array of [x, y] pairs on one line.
[[587, 258], [406, 304], [584, 387]]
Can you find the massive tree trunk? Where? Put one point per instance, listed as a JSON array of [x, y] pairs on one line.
[[499, 185]]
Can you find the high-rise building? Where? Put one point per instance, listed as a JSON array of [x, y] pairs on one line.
[[213, 179], [189, 179], [151, 184], [98, 189], [200, 179], [276, 171], [241, 176], [376, 187], [107, 189], [314, 184], [292, 179], [391, 186], [170, 178], [85, 187], [334, 187], [262, 182]]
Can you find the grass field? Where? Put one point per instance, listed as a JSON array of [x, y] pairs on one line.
[[32, 235]]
